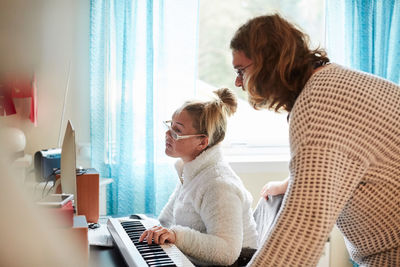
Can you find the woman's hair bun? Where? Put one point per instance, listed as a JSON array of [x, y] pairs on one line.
[[228, 98]]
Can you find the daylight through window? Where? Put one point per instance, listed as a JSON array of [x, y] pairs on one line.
[[260, 131]]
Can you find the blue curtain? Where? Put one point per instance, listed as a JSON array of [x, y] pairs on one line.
[[365, 35], [142, 67]]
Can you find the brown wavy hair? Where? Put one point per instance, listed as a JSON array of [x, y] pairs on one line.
[[282, 61]]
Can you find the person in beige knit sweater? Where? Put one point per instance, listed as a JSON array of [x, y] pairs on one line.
[[344, 130]]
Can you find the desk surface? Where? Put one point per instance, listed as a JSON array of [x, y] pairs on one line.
[[106, 257]]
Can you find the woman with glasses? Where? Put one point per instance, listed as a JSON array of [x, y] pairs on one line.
[[208, 216], [344, 143]]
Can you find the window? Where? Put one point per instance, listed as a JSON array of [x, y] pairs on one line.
[[255, 132]]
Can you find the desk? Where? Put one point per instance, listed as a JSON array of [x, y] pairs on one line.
[[42, 188], [106, 257]]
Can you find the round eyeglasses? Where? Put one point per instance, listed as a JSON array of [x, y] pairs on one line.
[[240, 71], [176, 136]]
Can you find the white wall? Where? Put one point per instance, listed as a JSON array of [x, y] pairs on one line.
[[45, 36], [255, 174]]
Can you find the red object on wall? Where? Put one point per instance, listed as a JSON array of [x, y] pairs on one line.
[[6, 104], [11, 87]]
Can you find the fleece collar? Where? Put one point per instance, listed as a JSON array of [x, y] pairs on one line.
[[187, 171]]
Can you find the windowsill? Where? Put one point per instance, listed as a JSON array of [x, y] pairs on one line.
[[258, 159], [257, 164], [255, 159]]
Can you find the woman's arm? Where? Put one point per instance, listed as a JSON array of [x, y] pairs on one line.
[[274, 188]]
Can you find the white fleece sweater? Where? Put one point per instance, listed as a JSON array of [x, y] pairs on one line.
[[210, 212]]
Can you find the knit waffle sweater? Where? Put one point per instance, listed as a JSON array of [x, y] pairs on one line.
[[344, 169], [210, 212]]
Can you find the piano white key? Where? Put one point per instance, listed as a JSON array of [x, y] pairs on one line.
[[176, 255]]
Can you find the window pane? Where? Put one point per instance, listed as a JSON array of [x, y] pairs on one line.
[[218, 22]]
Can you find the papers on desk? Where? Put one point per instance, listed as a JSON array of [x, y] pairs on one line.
[[101, 236]]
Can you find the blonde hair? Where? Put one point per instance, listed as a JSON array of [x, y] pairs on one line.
[[210, 117]]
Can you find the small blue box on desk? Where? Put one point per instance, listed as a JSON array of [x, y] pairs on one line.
[[45, 162]]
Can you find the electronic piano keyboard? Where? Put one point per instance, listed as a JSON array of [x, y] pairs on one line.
[[126, 233]]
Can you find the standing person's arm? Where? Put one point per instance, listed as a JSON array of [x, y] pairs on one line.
[[323, 180]]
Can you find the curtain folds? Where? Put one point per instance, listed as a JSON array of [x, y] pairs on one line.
[[142, 67], [365, 35]]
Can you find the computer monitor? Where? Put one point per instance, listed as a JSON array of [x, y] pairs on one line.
[[68, 163]]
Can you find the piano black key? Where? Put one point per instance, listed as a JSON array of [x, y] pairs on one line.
[[148, 257], [157, 258], [134, 229], [161, 264], [159, 261], [133, 236], [126, 234], [164, 265], [145, 245], [153, 254], [147, 251]]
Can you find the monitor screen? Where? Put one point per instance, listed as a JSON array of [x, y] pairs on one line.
[[68, 163]]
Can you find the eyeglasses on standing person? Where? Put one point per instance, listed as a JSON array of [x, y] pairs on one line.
[[240, 71], [175, 135]]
